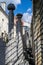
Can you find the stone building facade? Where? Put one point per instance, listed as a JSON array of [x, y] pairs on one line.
[[3, 21], [38, 31]]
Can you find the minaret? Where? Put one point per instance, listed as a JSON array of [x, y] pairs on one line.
[[11, 9]]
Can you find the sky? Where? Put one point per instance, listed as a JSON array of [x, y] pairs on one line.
[[22, 6], [25, 8]]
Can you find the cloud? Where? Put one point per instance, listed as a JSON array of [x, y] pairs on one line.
[[27, 17], [29, 10], [16, 2]]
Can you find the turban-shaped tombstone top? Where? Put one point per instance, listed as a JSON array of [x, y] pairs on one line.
[[11, 6], [19, 16]]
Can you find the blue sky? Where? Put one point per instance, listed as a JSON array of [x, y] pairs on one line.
[[22, 6], [25, 8]]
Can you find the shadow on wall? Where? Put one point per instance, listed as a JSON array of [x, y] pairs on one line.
[[2, 52]]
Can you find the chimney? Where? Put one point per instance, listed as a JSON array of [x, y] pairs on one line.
[[3, 5]]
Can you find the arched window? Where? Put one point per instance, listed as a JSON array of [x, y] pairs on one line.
[[2, 19]]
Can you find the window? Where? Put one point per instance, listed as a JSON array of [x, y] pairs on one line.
[[2, 19]]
